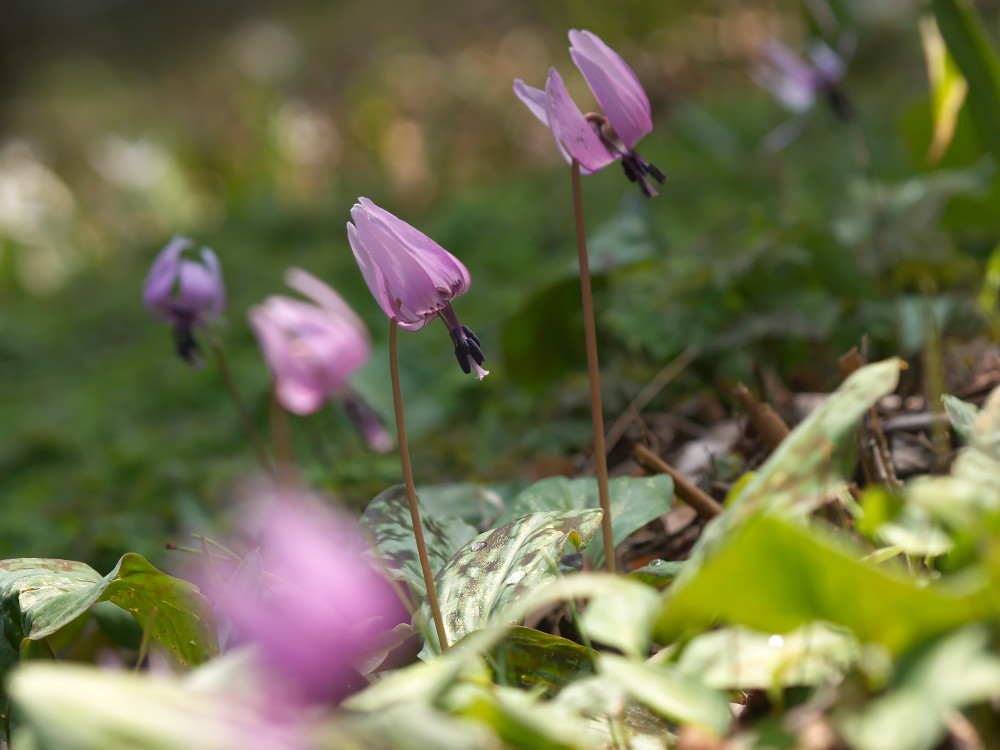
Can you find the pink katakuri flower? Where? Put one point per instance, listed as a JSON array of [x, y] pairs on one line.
[[595, 140], [311, 348], [184, 292], [315, 609], [412, 278]]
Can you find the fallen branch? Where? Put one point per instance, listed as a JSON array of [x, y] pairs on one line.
[[769, 425], [685, 490]]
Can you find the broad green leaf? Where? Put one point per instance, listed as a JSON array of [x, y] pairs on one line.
[[774, 576], [387, 522], [948, 89], [622, 615], [479, 505], [40, 597], [669, 693], [401, 726], [958, 670], [961, 414], [528, 658], [976, 56], [736, 658], [501, 566], [176, 614], [70, 707], [634, 503]]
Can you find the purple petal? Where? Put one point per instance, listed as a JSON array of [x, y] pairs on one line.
[[196, 288], [574, 135], [377, 285], [829, 65], [533, 98], [615, 85], [158, 287], [211, 262]]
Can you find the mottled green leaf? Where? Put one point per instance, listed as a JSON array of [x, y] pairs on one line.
[[40, 597], [773, 576], [388, 524], [799, 469], [669, 693], [529, 658], [736, 658], [961, 414], [501, 566], [956, 671], [479, 505], [634, 503]]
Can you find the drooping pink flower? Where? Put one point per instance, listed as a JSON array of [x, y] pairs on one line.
[[311, 348], [595, 140], [184, 292], [412, 278], [317, 609]]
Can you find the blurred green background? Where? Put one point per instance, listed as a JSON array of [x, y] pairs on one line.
[[253, 126]]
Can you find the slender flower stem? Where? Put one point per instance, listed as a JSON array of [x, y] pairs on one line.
[[411, 492], [593, 371], [281, 438], [241, 407]]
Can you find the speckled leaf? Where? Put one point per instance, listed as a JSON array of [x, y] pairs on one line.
[[387, 522], [40, 597], [498, 567], [634, 503]]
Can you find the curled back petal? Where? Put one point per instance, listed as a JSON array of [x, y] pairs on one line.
[[615, 85], [160, 280], [534, 100]]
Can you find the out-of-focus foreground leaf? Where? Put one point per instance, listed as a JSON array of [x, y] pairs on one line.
[[948, 89], [774, 576], [969, 43]]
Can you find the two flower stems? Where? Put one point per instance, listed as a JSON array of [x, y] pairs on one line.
[[411, 492], [593, 373]]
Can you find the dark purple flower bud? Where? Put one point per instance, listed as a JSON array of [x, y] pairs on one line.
[[185, 292]]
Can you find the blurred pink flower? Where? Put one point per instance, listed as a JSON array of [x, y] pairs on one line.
[[184, 292], [317, 609], [596, 140], [412, 278], [311, 349]]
